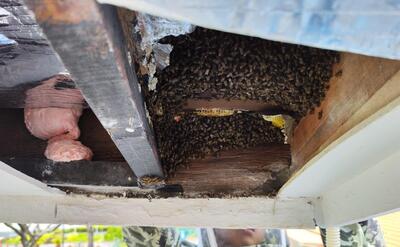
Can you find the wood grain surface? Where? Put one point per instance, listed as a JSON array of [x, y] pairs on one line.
[[356, 80]]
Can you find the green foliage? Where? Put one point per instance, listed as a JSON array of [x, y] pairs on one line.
[[113, 233], [11, 241], [77, 235]]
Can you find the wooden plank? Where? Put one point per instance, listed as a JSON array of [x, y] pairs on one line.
[[254, 171], [242, 212], [98, 173], [89, 40], [389, 92], [357, 78], [247, 105]]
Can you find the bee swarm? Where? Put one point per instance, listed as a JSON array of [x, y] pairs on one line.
[[208, 64]]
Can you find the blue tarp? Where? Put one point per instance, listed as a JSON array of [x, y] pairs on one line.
[[4, 41], [370, 27]]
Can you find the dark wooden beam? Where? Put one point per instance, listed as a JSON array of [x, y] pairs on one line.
[[96, 173], [88, 39]]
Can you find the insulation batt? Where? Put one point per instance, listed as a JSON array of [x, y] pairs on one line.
[[50, 94], [63, 149], [45, 123]]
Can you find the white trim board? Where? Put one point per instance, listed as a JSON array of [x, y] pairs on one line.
[[259, 212], [13, 182], [354, 177], [375, 191]]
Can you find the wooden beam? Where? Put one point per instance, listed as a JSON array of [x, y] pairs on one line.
[[357, 78], [247, 105], [96, 173], [88, 38], [253, 171], [242, 212]]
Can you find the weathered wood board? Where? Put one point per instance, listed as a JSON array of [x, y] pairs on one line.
[[244, 212], [356, 79], [96, 173], [254, 171], [247, 105]]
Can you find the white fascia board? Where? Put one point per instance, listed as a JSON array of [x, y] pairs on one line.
[[374, 192], [13, 182], [364, 146], [257, 212]]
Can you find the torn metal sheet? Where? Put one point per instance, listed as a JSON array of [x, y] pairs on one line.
[[153, 56]]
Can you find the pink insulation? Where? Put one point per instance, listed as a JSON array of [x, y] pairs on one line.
[[46, 94], [65, 150], [45, 123], [58, 125]]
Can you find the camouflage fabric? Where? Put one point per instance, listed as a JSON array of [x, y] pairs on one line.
[[363, 234], [135, 236]]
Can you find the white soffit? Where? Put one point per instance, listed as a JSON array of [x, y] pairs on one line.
[[13, 182]]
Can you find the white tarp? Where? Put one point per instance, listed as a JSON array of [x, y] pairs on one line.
[[369, 27]]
